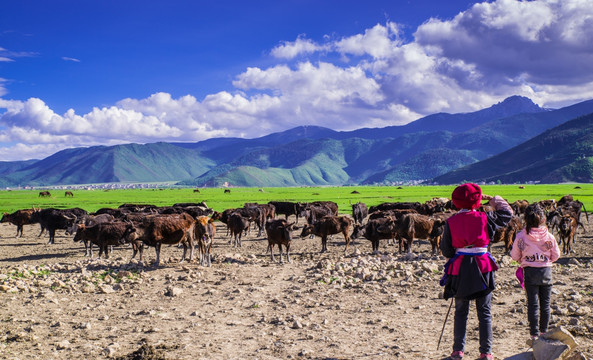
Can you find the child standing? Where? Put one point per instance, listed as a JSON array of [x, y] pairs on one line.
[[469, 273], [536, 249]]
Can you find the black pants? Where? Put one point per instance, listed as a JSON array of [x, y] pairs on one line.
[[538, 308], [484, 320]]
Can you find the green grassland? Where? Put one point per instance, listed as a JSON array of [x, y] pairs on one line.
[[92, 200]]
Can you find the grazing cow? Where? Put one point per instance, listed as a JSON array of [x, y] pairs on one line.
[[329, 225], [196, 190], [163, 229], [68, 194], [44, 194], [18, 218], [204, 231], [370, 232], [103, 235], [287, 209], [236, 225], [53, 219], [227, 191], [507, 234], [278, 233], [359, 212], [567, 231]]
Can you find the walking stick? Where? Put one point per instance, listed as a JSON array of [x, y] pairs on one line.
[[445, 323]]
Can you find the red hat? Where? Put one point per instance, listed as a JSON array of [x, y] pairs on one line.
[[467, 196]]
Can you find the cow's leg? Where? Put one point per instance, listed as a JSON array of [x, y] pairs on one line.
[[184, 251], [347, 239], [19, 229], [271, 247], [106, 251], [52, 234], [287, 251], [324, 243], [157, 249]]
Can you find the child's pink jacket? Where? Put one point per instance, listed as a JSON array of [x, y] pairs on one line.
[[536, 249]]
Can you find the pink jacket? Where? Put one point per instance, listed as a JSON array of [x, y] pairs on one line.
[[536, 249]]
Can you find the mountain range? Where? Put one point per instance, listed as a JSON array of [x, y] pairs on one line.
[[442, 148]]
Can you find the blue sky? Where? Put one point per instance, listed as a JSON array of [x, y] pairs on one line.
[[84, 73]]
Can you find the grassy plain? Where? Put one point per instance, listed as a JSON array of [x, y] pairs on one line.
[[92, 200]]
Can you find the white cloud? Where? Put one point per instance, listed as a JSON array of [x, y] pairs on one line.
[[65, 58], [289, 50], [541, 49]]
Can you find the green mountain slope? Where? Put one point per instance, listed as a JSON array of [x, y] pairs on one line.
[[564, 153], [121, 163]]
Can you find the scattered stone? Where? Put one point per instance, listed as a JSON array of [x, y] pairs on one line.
[[173, 291]]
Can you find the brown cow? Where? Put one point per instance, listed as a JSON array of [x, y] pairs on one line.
[[278, 233], [204, 231], [44, 194], [370, 232], [566, 232], [507, 234], [18, 218], [415, 226], [163, 229], [227, 191], [68, 194], [329, 225]]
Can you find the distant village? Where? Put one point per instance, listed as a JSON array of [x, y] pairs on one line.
[[118, 186]]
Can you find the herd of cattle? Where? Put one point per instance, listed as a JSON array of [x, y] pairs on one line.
[[192, 225]]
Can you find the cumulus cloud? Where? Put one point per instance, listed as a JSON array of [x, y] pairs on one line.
[[544, 42], [289, 50], [541, 49]]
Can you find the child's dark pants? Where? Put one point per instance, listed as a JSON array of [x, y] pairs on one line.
[[484, 319], [538, 308]]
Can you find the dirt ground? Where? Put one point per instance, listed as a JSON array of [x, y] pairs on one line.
[[57, 304]]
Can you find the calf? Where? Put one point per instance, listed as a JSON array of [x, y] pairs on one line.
[[278, 233], [236, 225], [87, 221], [567, 231], [370, 232], [18, 218], [329, 225], [163, 229], [204, 231], [103, 235]]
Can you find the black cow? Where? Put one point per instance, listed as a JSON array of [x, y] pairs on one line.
[[359, 212], [287, 209], [278, 233], [53, 219]]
